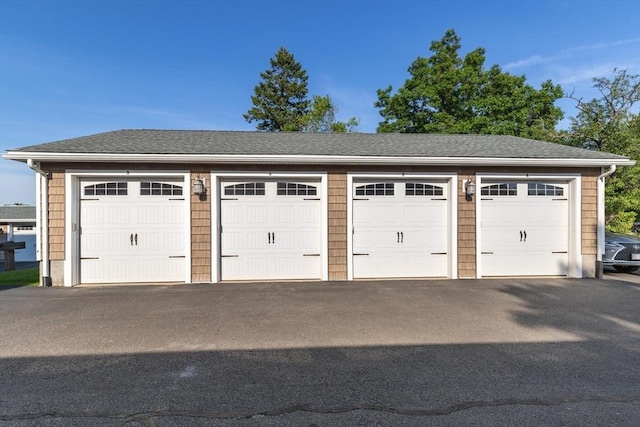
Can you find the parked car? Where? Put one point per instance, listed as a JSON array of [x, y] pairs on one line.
[[636, 227], [621, 252]]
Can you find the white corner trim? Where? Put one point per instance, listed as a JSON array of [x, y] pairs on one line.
[[575, 228], [71, 243]]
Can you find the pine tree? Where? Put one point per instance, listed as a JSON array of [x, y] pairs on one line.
[[280, 102]]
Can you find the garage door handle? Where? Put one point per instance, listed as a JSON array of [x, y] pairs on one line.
[[523, 234], [131, 239], [401, 237], [398, 239], [136, 239]]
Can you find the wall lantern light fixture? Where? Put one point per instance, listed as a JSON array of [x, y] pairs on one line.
[[199, 187], [470, 187]]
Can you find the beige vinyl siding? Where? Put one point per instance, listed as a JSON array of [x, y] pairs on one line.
[[337, 216], [466, 229], [200, 231], [589, 212], [56, 215]]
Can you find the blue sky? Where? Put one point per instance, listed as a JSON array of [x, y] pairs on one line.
[[75, 68]]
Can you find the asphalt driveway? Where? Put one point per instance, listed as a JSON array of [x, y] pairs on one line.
[[473, 352]]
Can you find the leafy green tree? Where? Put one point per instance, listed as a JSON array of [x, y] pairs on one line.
[[447, 93], [608, 124], [280, 100], [322, 117]]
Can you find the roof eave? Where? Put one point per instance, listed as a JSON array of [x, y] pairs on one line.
[[312, 159]]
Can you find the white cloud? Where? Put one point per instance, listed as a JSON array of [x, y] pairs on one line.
[[602, 45], [578, 64], [567, 53], [566, 75], [532, 60]]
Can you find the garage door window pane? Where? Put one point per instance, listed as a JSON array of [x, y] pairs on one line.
[[148, 188], [379, 189], [245, 189], [295, 189], [419, 189], [538, 189], [506, 189], [106, 189]]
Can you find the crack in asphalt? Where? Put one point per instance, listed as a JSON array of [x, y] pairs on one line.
[[146, 418]]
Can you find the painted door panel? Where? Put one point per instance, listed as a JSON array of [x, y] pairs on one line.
[[525, 234], [400, 235], [270, 236], [132, 238]]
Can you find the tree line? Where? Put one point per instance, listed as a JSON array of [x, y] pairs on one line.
[[453, 94]]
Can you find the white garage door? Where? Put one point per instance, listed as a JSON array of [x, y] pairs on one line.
[[271, 230], [132, 231], [400, 229], [524, 229]]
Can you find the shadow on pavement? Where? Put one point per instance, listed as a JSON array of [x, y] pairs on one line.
[[591, 380], [612, 312], [452, 384]]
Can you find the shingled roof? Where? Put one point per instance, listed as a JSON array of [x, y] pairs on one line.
[[17, 213], [353, 145]]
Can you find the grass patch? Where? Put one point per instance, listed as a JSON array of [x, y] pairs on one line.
[[28, 277]]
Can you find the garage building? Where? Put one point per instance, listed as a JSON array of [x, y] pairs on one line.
[[18, 224], [134, 206]]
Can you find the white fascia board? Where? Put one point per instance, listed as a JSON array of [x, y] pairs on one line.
[[312, 159], [136, 173]]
